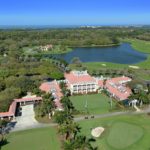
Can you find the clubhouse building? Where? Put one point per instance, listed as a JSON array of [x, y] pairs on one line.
[[78, 82]]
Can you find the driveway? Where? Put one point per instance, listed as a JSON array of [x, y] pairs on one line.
[[26, 120]]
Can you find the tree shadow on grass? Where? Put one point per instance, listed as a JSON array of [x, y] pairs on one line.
[[3, 142]]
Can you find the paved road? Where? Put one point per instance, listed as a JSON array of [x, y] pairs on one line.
[[77, 119], [114, 114]]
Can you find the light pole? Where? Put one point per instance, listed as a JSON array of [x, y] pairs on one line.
[[86, 104], [110, 101]]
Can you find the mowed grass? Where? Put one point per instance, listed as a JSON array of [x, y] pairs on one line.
[[140, 45], [130, 134], [121, 132], [34, 139], [96, 103], [100, 65]]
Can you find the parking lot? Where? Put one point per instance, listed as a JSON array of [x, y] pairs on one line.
[[26, 120]]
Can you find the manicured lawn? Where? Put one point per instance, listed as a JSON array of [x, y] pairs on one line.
[[35, 139], [141, 72], [130, 134], [96, 103], [121, 132], [145, 64], [100, 65], [140, 45]]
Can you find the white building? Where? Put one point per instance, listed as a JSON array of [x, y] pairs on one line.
[[81, 82]]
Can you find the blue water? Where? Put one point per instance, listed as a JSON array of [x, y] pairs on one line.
[[123, 54]]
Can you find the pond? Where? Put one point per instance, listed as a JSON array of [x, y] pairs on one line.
[[123, 54]]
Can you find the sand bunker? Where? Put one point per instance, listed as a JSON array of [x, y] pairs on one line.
[[103, 64], [96, 132], [134, 67]]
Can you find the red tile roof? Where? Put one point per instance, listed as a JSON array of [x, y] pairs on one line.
[[120, 95], [12, 107], [45, 87], [116, 87], [74, 78], [54, 88], [50, 86], [120, 79], [26, 99]]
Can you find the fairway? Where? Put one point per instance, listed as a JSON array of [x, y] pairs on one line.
[[34, 139], [96, 103], [140, 45], [121, 132]]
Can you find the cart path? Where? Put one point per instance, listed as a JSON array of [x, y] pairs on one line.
[[78, 119]]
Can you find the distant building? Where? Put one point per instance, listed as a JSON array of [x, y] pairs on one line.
[[81, 82], [46, 47]]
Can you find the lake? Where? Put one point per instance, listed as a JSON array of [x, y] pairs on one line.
[[123, 54]]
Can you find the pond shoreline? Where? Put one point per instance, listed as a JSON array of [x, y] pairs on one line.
[[70, 48], [92, 46], [122, 54]]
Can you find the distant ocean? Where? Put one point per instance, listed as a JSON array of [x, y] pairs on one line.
[[9, 27], [37, 26]]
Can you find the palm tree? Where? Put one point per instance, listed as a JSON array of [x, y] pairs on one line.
[[133, 96], [3, 124], [142, 96], [63, 116], [84, 143], [46, 107], [68, 145], [69, 129], [64, 90], [67, 104]]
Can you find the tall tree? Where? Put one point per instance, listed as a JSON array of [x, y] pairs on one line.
[[47, 106], [67, 104], [3, 124], [84, 143], [61, 117], [69, 129]]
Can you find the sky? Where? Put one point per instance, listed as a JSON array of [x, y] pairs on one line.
[[74, 12]]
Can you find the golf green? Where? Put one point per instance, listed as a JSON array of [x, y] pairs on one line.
[[124, 132], [130, 134]]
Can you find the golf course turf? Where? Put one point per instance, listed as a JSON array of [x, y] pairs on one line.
[[34, 139], [130, 133], [121, 132], [96, 103]]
